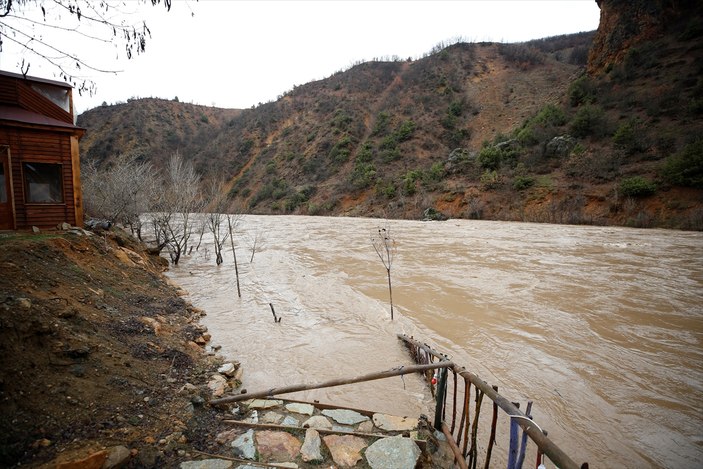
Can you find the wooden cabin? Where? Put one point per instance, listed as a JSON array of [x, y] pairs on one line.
[[39, 161]]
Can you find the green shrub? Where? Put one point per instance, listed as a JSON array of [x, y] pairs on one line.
[[582, 91], [630, 137], [589, 120], [409, 183], [363, 175], [521, 183], [527, 137], [405, 130], [386, 189], [550, 115], [685, 168], [490, 179], [637, 186], [382, 121], [489, 158]]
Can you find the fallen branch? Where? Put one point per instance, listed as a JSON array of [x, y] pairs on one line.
[[397, 371]]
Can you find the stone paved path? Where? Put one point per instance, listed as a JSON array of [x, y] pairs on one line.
[[289, 434]]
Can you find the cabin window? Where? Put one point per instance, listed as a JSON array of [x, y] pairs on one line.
[[3, 187], [42, 182]]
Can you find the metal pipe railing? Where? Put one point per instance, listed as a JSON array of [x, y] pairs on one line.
[[544, 444]]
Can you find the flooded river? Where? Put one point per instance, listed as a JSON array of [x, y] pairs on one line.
[[601, 327]]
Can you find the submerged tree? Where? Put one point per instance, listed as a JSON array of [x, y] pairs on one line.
[[384, 245], [216, 202], [179, 201], [232, 221]]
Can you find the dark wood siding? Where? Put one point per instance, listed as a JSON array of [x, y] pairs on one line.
[[8, 92], [40, 146], [33, 101]]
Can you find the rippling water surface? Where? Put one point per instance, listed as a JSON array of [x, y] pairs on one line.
[[601, 327]]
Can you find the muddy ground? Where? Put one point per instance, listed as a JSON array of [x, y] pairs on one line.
[[97, 350]]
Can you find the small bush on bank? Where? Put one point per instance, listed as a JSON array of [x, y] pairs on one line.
[[637, 186], [685, 168]]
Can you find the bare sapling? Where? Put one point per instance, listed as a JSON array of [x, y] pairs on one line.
[[385, 247], [232, 221], [214, 219], [256, 242]]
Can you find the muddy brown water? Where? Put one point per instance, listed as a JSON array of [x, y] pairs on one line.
[[601, 327]]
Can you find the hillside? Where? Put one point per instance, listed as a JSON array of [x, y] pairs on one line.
[[492, 131]]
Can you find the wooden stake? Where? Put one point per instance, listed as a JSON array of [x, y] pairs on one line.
[[397, 371]]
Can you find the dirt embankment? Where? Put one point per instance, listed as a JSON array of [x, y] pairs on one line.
[[97, 350]]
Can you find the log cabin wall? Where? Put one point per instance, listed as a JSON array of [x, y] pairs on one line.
[[38, 130], [41, 146]]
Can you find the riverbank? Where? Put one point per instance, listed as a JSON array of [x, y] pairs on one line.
[[99, 355]]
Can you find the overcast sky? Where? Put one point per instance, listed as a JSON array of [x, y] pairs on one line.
[[233, 53]]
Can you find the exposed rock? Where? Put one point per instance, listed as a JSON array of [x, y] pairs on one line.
[[342, 429], [265, 403], [217, 385], [365, 427], [560, 147], [226, 437], [227, 369], [35, 229], [345, 416], [243, 445], [24, 303], [299, 408], [319, 422], [118, 456], [277, 446], [92, 461], [310, 451], [272, 417], [394, 423], [207, 464], [345, 449], [624, 24], [290, 421], [393, 453], [432, 214], [253, 417]]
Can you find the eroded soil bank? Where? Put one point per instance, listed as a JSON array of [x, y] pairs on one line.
[[97, 350]]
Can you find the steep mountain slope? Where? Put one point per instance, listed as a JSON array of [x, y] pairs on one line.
[[496, 131], [153, 127]]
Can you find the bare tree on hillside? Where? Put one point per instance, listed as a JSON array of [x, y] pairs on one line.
[[122, 192], [179, 202], [385, 247]]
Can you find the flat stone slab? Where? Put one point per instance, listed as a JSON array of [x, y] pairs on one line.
[[272, 417], [290, 421], [207, 464], [319, 422], [345, 416], [243, 445], [277, 446], [265, 403], [345, 449], [310, 451], [393, 423], [393, 453], [299, 408]]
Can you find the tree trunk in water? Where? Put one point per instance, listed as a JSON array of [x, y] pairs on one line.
[[390, 291], [234, 254]]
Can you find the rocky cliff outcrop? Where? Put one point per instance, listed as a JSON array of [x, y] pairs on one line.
[[626, 23]]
